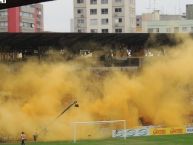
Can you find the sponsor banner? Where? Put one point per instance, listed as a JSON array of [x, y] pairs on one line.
[[131, 132], [137, 132], [167, 131], [177, 130], [146, 131], [158, 131], [189, 130], [118, 133]]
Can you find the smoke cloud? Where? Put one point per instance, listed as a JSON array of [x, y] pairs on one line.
[[33, 94]]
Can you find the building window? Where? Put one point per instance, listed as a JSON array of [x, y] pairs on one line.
[[118, 30], [3, 24], [105, 30], [25, 14], [168, 30], [176, 29], [104, 11], [104, 21], [133, 11], [132, 21], [93, 2], [27, 25], [32, 25], [191, 29], [29, 7], [120, 20], [138, 19], [93, 11], [93, 21], [184, 29], [118, 10], [93, 30], [80, 1], [118, 1], [80, 11], [150, 30], [104, 1], [3, 13], [79, 31], [157, 30], [80, 21]]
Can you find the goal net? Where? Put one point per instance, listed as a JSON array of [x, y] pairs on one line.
[[96, 129]]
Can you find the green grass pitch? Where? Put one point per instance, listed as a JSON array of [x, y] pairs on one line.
[[186, 139]]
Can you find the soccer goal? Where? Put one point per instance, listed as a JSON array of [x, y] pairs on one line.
[[96, 129]]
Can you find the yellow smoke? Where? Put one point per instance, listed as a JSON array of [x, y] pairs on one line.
[[32, 94]]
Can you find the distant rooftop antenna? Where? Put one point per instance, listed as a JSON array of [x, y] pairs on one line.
[[149, 7], [179, 4], [149, 4], [156, 4], [163, 10], [154, 7]]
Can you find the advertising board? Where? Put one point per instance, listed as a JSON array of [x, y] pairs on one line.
[[144, 131], [167, 131], [189, 130]]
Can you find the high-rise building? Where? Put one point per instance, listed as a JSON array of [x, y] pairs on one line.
[[22, 19], [104, 16]]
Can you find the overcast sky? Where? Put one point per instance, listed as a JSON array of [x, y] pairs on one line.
[[57, 14]]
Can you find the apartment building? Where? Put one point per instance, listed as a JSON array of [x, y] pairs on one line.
[[163, 23], [104, 16], [173, 26], [22, 19], [154, 16]]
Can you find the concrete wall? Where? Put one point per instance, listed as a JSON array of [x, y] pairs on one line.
[[183, 26]]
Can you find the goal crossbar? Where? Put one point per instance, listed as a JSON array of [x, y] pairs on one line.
[[98, 122], [95, 122]]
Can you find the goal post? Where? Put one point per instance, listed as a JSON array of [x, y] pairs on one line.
[[81, 123]]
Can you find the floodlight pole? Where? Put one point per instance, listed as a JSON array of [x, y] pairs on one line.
[[75, 104]]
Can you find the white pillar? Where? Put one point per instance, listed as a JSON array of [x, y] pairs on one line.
[[74, 132], [125, 131]]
